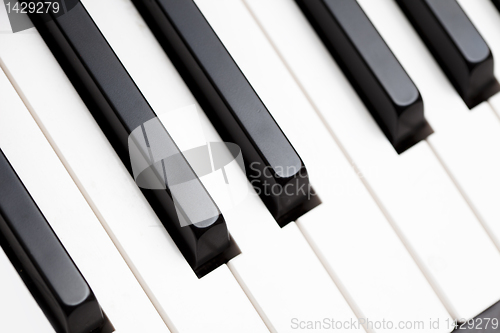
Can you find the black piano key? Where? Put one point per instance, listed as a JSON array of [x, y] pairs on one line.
[[496, 3], [55, 281], [456, 45], [487, 321], [170, 185], [380, 80], [272, 165]]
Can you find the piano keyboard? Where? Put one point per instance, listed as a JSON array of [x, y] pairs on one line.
[[393, 224]]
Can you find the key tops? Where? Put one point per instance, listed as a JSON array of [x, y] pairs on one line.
[[390, 95], [53, 277], [168, 182], [456, 44], [273, 166]]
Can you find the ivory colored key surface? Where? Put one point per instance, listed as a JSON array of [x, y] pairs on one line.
[[413, 188], [277, 268], [217, 300], [19, 312], [279, 272], [4, 21], [495, 103], [40, 170], [167, 181], [232, 105], [464, 140], [350, 241], [487, 321]]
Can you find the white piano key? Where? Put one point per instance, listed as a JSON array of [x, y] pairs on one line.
[[464, 140], [293, 277], [277, 268], [340, 232], [495, 104], [19, 312], [430, 215], [486, 18], [117, 290], [4, 20], [279, 272], [214, 303]]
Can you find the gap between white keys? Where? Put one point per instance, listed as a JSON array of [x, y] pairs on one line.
[[383, 170]]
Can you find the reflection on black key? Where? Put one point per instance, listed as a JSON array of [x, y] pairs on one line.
[[168, 182], [272, 165], [54, 279], [373, 70], [456, 45], [487, 321]]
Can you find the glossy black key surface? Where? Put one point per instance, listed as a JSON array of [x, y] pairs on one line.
[[457, 46], [272, 165], [53, 277], [168, 182], [380, 80]]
